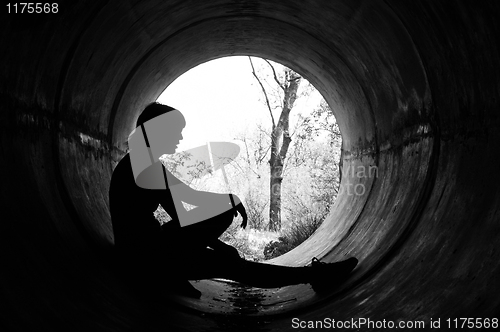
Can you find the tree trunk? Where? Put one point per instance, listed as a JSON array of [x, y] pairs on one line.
[[276, 172], [280, 141]]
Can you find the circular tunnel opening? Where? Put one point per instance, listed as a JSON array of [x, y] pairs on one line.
[[240, 100], [415, 93]]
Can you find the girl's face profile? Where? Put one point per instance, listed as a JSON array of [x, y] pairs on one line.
[[172, 139], [165, 132]]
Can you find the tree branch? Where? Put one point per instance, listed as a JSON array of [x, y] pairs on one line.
[[244, 140], [263, 155], [263, 91], [241, 168], [275, 76]]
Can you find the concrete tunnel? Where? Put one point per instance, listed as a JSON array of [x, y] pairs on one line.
[[414, 87]]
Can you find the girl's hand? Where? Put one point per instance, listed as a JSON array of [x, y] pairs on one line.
[[241, 210]]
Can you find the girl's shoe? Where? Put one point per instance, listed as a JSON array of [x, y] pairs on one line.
[[326, 276]]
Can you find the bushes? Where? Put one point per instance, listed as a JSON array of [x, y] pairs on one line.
[[235, 238], [250, 243], [295, 235], [256, 207], [304, 215]]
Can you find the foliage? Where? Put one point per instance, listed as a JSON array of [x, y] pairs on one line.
[[250, 243], [295, 235], [186, 166], [232, 237], [255, 207]]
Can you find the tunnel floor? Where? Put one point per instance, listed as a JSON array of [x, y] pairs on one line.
[[220, 296]]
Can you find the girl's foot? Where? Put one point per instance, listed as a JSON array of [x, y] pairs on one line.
[[326, 276]]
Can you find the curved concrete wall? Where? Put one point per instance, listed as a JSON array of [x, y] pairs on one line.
[[415, 90]]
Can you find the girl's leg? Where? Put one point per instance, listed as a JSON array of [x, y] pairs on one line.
[[207, 232], [199, 262], [207, 264]]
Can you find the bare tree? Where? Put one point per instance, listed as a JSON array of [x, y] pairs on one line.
[[280, 135]]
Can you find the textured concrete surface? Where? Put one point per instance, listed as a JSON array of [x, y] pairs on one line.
[[416, 92]]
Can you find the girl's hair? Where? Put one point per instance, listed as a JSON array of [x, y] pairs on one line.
[[152, 111]]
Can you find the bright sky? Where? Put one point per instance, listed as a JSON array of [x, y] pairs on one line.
[[219, 99]]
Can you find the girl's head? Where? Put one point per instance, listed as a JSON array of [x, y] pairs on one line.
[[163, 127]]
